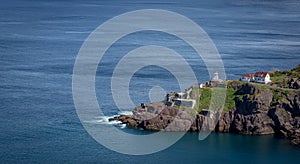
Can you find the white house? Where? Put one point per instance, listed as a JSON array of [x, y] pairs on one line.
[[247, 77], [258, 77], [262, 77]]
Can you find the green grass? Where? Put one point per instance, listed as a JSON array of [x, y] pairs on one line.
[[278, 77], [205, 98], [229, 102], [281, 77]]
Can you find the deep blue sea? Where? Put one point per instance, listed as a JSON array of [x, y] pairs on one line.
[[39, 42]]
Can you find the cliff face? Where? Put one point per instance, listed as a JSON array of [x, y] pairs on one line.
[[263, 110], [251, 113]]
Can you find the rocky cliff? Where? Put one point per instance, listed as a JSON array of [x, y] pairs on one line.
[[263, 110], [258, 110]]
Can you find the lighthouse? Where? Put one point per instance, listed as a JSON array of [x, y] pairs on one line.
[[216, 76]]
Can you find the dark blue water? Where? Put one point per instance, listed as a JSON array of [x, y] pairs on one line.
[[39, 41]]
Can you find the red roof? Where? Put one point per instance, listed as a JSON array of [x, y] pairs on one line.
[[262, 74], [248, 75]]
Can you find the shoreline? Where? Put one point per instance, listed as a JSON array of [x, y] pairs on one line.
[[258, 109]]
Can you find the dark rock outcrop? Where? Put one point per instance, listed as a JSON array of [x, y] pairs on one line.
[[253, 99], [161, 117], [254, 124], [225, 122]]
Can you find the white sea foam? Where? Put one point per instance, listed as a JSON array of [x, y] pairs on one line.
[[122, 126], [105, 119]]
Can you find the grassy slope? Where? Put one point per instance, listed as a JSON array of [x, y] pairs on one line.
[[205, 99], [281, 77], [279, 95]]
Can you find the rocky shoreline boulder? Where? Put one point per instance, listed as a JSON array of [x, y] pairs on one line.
[[167, 119]]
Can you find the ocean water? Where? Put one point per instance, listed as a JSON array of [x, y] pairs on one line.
[[39, 41]]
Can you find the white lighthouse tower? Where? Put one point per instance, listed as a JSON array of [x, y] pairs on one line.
[[216, 76]]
